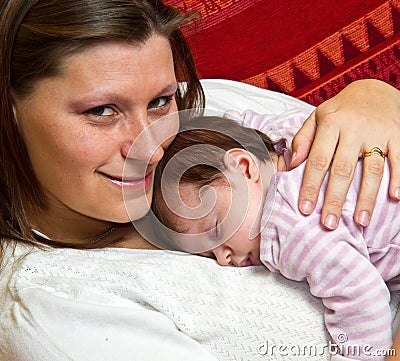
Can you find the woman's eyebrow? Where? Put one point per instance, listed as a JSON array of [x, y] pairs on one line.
[[107, 97], [171, 88]]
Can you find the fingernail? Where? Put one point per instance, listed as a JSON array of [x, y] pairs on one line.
[[363, 218], [306, 207], [397, 193], [330, 221]]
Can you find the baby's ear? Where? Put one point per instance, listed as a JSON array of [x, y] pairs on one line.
[[230, 161], [240, 160]]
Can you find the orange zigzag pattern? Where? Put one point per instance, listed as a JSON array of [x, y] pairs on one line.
[[336, 50]]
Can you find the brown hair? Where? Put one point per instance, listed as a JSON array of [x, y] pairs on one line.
[[201, 166], [35, 37]]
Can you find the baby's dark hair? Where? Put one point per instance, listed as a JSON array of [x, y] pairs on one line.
[[196, 156]]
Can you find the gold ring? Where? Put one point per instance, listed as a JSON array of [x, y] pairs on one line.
[[376, 150]]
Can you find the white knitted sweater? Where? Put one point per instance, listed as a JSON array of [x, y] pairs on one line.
[[84, 305]]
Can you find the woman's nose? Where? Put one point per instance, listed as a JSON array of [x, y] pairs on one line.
[[223, 255], [143, 142]]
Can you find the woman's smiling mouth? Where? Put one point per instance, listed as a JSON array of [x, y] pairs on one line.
[[130, 183]]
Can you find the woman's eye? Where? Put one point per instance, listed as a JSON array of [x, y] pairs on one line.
[[159, 102], [101, 111]]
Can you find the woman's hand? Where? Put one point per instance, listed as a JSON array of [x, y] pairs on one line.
[[364, 115]]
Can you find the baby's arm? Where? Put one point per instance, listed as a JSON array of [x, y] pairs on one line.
[[354, 294]]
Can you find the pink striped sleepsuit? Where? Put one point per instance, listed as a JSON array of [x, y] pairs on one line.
[[352, 268]]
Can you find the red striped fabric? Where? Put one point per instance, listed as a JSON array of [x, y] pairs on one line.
[[308, 49]]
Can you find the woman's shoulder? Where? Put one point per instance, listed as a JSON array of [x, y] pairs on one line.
[[54, 296], [67, 273]]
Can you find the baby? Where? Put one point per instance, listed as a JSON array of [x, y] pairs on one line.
[[226, 191]]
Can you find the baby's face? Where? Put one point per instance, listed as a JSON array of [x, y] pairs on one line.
[[227, 222]]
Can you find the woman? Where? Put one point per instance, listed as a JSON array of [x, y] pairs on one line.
[[80, 81]]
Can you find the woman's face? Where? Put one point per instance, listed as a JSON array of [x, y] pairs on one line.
[[79, 128]]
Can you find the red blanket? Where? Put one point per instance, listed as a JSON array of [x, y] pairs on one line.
[[309, 49]]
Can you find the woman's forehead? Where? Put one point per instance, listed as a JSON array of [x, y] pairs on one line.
[[114, 57], [115, 71]]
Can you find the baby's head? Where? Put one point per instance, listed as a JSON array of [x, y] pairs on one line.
[[210, 188]]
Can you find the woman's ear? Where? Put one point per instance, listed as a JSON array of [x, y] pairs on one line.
[[240, 160]]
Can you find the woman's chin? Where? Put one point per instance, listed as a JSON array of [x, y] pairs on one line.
[[137, 208]]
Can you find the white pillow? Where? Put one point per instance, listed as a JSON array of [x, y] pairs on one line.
[[222, 95]]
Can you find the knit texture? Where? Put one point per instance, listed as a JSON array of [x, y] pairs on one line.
[[236, 313]]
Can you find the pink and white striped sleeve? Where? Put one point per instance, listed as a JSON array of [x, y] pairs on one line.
[[337, 268]]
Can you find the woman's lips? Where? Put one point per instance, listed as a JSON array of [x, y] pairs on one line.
[[131, 183]]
